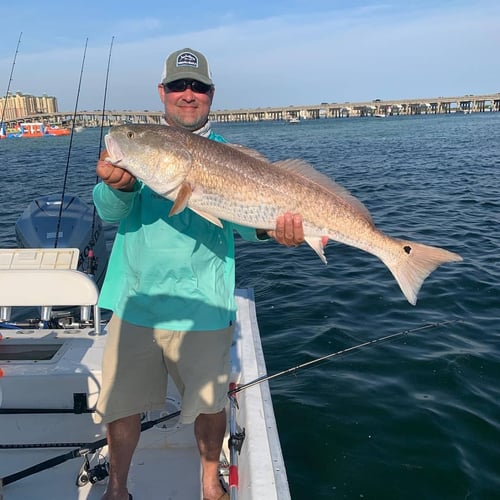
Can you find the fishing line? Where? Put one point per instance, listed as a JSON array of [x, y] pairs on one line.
[[368, 343], [8, 85], [59, 219]]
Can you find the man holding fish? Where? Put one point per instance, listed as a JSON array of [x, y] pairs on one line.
[[170, 284]]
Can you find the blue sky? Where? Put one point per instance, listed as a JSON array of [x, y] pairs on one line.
[[262, 53]]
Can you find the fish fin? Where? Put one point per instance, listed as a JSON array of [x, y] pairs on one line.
[[305, 170], [209, 217], [182, 199], [415, 263], [317, 244], [248, 151]]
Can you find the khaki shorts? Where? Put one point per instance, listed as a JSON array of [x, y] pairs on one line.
[[137, 361]]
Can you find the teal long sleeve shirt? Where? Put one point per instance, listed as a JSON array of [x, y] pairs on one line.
[[175, 273]]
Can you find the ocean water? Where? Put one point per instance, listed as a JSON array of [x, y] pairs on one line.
[[417, 417]]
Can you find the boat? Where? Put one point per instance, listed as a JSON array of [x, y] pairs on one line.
[[65, 221], [55, 130], [294, 120], [36, 129], [50, 375]]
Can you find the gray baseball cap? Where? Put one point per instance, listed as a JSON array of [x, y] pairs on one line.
[[186, 63]]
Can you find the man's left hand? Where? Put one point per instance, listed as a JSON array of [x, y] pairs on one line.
[[289, 230]]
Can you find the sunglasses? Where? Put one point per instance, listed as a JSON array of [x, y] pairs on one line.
[[182, 85]]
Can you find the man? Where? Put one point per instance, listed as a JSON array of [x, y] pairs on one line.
[[170, 285]]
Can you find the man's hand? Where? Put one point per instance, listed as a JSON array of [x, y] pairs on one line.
[[289, 230], [113, 176]]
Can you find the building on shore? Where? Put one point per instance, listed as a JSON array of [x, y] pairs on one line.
[[19, 105]]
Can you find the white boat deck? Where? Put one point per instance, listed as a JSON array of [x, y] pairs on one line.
[[42, 370]]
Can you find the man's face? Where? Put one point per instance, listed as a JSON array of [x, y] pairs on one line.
[[187, 109]]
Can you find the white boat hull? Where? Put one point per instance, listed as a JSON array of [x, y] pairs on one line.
[[51, 370]]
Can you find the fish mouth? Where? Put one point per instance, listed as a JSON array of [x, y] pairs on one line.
[[115, 155]]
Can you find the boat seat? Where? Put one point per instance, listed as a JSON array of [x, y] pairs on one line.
[[45, 277], [44, 287]]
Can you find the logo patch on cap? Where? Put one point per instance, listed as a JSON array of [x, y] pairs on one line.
[[187, 59]]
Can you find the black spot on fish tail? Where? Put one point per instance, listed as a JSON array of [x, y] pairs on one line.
[[418, 261]]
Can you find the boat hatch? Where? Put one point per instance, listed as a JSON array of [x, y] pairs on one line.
[[28, 351]]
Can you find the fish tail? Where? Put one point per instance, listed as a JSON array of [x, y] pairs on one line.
[[413, 263]]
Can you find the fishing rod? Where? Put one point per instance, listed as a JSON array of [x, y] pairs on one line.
[[368, 343], [236, 437], [8, 85], [92, 263], [82, 451], [105, 95], [61, 206], [235, 442]]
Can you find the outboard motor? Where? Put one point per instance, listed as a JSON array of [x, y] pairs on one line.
[[38, 225]]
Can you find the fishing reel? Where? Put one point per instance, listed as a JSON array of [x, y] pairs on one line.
[[92, 474], [236, 440]]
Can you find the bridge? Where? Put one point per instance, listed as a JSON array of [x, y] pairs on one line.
[[377, 107], [438, 105]]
